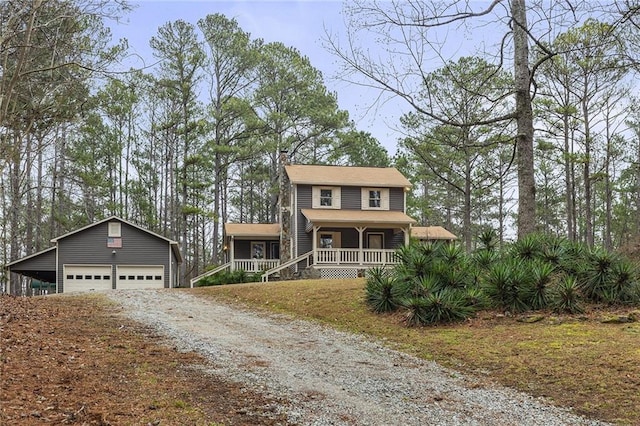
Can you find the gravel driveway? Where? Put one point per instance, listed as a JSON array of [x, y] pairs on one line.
[[330, 377]]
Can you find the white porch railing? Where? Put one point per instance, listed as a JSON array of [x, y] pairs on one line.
[[254, 265], [344, 256]]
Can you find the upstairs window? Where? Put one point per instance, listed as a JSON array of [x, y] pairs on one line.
[[326, 197], [375, 198]]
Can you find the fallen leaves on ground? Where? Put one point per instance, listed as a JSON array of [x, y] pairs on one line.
[[74, 360]]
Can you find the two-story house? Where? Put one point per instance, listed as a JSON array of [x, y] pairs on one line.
[[342, 220]]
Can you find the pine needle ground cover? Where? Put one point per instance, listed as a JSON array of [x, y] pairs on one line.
[[74, 360], [583, 361]]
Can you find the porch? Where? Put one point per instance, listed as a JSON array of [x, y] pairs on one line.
[[331, 263], [325, 257]]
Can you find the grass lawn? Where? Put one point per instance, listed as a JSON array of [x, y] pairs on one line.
[[573, 361]]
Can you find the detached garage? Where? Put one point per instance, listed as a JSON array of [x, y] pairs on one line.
[[110, 254]]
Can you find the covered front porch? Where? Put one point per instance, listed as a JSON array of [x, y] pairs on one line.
[[252, 247], [355, 237]]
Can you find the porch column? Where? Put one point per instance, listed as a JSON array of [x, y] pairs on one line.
[[232, 249], [314, 242], [360, 252], [406, 235]]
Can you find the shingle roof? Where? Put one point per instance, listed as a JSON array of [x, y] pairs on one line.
[[432, 233], [252, 229], [346, 175], [372, 217]]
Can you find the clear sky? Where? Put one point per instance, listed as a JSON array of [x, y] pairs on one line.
[[300, 24]]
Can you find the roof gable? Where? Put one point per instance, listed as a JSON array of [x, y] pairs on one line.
[[172, 243], [387, 177], [110, 219]]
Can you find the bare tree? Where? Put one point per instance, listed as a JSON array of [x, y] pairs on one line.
[[413, 34]]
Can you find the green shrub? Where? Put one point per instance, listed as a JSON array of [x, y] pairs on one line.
[[444, 306], [229, 277], [436, 282], [565, 296], [506, 285], [382, 291]]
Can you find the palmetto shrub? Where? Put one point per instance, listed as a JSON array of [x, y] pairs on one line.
[[445, 306], [528, 248], [537, 288], [565, 296], [383, 293], [438, 282], [483, 259], [507, 283]]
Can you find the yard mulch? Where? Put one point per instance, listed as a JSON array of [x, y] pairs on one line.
[[74, 360]]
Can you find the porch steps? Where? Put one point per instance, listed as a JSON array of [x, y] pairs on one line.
[[209, 273], [306, 256]]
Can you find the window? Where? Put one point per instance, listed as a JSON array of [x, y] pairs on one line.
[[326, 197], [115, 229], [257, 250], [326, 241], [375, 198], [329, 240]]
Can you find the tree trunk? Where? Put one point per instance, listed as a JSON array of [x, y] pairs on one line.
[[588, 213], [524, 120]]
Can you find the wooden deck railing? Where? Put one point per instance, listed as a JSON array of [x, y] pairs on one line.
[[254, 265], [344, 256]]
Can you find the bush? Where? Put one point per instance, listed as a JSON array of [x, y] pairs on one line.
[[382, 292], [436, 282], [565, 296], [229, 277], [506, 285]]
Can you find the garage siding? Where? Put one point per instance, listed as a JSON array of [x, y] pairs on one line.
[[89, 246]]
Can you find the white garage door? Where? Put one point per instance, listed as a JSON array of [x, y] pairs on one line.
[[130, 277], [87, 278]]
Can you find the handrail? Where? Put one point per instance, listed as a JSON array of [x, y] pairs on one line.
[[265, 276], [209, 273]]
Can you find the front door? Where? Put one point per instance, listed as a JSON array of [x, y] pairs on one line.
[[375, 241]]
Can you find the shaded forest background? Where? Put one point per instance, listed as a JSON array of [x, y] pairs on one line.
[[192, 142]]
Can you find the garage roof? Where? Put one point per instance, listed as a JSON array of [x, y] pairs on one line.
[[40, 266]]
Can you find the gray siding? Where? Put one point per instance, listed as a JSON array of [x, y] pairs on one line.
[[44, 262], [350, 199], [305, 240], [396, 199], [242, 249], [90, 247]]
